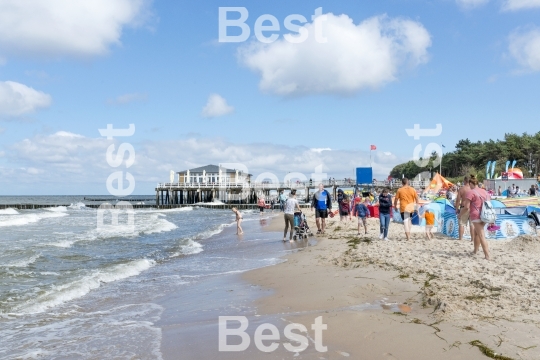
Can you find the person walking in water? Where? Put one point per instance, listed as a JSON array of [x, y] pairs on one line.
[[463, 216], [473, 203], [408, 198], [322, 203], [290, 206], [238, 220], [261, 204]]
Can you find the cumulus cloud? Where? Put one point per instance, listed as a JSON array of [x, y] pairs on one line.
[[17, 99], [65, 157], [66, 28], [127, 98], [524, 47], [515, 5], [470, 4], [354, 57], [216, 106]]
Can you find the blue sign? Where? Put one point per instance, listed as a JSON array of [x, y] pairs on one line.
[[364, 176]]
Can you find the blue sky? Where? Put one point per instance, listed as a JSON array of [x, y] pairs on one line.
[[471, 65]]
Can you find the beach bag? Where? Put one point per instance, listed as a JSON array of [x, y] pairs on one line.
[[487, 213]]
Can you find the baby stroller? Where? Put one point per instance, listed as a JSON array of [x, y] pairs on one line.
[[301, 228]]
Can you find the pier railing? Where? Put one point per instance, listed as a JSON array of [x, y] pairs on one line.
[[287, 185]]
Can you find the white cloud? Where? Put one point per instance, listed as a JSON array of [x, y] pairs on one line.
[[127, 98], [2, 130], [470, 4], [216, 106], [355, 57], [77, 159], [17, 99], [515, 5], [320, 150], [66, 28], [524, 47]]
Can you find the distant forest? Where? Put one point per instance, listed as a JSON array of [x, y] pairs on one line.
[[472, 157]]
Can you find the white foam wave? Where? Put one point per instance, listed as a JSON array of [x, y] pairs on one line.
[[21, 263], [188, 208], [191, 248], [57, 209], [62, 243], [9, 211], [79, 288], [77, 206], [25, 219]]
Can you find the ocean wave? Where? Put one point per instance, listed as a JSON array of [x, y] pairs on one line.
[[79, 288], [22, 262], [9, 211], [183, 209], [25, 219], [189, 248], [57, 209], [77, 206]]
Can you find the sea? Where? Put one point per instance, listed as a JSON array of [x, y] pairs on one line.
[[72, 289]]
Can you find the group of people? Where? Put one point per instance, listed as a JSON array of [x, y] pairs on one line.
[[515, 191], [469, 200]]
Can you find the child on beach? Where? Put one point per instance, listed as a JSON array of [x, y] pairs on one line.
[[430, 222], [238, 220], [344, 208], [362, 212]]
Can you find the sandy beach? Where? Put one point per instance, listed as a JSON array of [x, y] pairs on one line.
[[408, 300]]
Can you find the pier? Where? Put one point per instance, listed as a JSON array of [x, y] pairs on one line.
[[237, 193]]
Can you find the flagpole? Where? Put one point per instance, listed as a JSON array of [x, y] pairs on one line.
[[440, 163]]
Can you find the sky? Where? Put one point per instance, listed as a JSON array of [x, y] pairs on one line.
[[364, 74]]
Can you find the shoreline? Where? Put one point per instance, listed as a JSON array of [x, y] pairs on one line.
[[380, 302]]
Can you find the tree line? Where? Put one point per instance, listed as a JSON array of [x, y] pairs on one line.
[[472, 157]]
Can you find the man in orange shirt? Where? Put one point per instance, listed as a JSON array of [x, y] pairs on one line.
[[407, 198]]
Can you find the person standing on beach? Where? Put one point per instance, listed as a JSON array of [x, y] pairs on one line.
[[344, 208], [362, 212], [463, 216], [384, 204], [430, 222], [322, 203], [408, 198], [473, 203], [261, 204], [282, 199], [238, 220], [290, 206], [532, 191]]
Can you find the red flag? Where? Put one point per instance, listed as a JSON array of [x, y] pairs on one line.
[[373, 147]]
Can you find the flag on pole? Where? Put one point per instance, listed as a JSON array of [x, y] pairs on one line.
[[373, 147]]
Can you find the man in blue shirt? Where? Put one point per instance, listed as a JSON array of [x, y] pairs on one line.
[[322, 203]]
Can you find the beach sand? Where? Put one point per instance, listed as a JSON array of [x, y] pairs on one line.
[[406, 300]]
